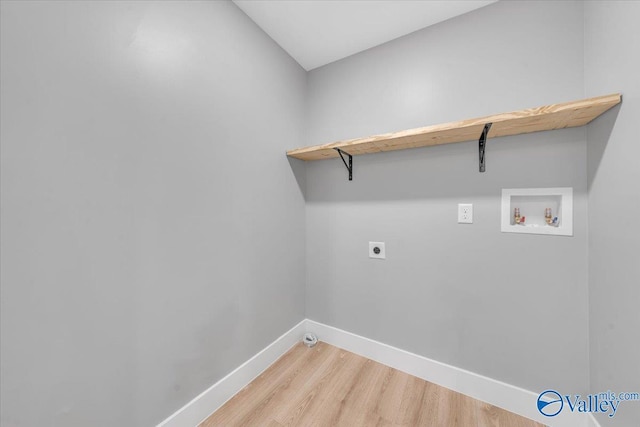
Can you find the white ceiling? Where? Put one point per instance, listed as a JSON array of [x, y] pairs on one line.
[[317, 32]]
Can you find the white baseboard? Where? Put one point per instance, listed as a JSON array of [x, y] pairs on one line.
[[196, 411], [497, 393], [506, 396]]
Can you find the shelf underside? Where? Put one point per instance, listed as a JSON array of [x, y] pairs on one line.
[[548, 117]]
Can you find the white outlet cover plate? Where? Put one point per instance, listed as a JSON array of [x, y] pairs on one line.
[[381, 255], [465, 213]]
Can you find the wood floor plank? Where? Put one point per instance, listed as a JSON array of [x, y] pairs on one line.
[[320, 399], [489, 415], [391, 395], [326, 386], [253, 395], [411, 404], [320, 359], [356, 407], [297, 398]]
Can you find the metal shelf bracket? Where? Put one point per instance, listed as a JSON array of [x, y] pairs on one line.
[[348, 166], [481, 144]]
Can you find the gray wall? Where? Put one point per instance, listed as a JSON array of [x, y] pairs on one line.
[[512, 307], [612, 63], [150, 221]]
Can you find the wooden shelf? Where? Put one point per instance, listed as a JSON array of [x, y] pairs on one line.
[[548, 117]]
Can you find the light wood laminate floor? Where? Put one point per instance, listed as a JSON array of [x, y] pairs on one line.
[[328, 386]]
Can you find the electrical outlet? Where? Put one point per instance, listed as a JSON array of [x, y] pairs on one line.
[[376, 250], [465, 213]]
